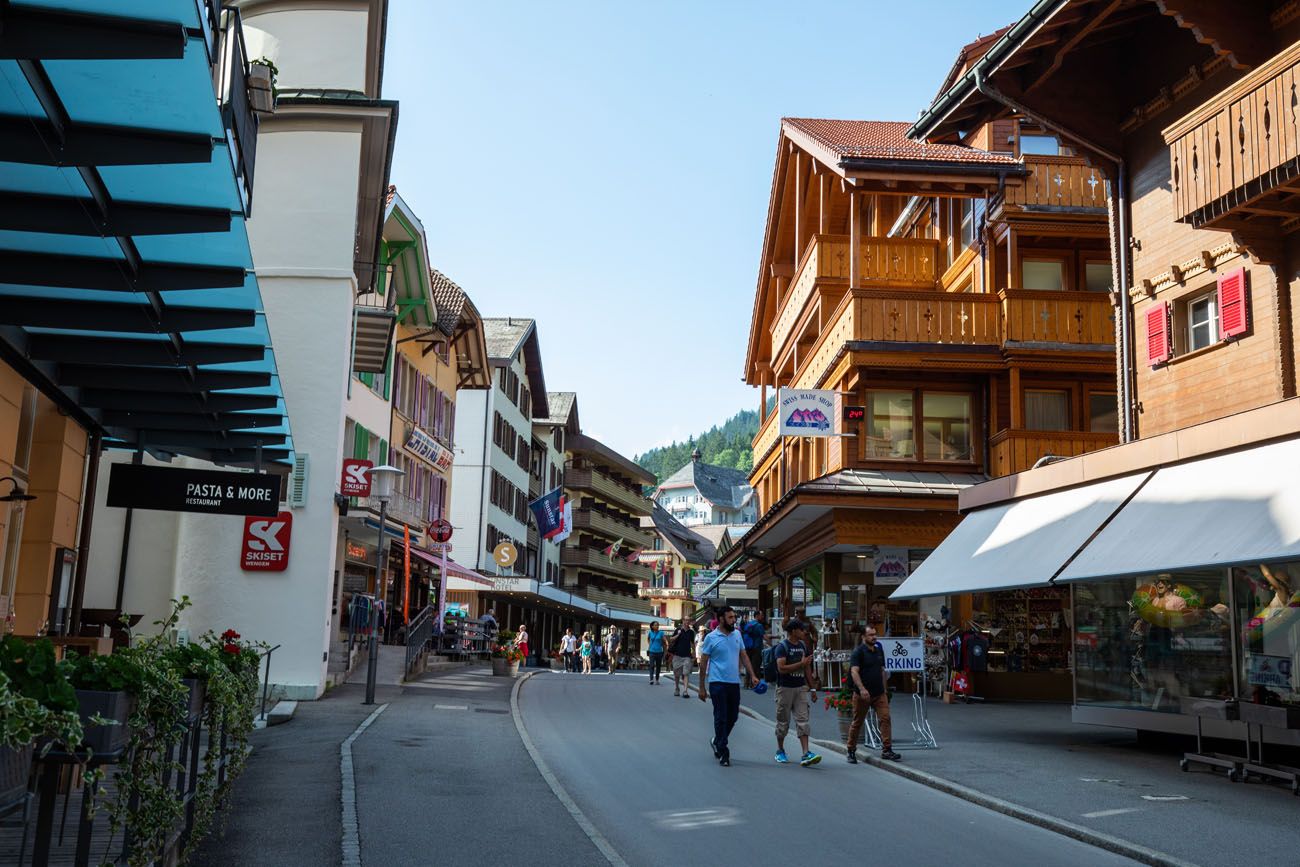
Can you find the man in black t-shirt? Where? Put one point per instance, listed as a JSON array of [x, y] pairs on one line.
[[682, 648], [867, 670], [794, 677]]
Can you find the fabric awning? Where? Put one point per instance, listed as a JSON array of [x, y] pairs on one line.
[[722, 576], [1019, 544], [1233, 509]]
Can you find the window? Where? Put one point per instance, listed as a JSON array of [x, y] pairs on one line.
[[1103, 416], [1043, 145], [1202, 323], [967, 223], [946, 423], [1048, 274], [1047, 410], [1097, 276], [889, 424]]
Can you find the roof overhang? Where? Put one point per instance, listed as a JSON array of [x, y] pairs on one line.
[[126, 287], [583, 443], [372, 338]]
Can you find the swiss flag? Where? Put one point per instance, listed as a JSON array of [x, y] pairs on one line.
[[1158, 344], [1233, 319]]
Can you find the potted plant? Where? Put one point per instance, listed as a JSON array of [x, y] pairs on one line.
[[36, 703], [262, 75], [106, 688], [194, 662], [505, 655], [842, 701]]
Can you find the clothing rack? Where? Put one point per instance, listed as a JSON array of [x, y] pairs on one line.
[[957, 664]]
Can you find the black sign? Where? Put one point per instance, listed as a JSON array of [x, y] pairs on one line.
[[168, 489], [855, 413]]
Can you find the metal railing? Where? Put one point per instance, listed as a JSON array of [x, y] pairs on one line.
[[237, 114], [419, 634]]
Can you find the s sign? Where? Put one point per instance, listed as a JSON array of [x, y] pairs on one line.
[[356, 477], [266, 543]]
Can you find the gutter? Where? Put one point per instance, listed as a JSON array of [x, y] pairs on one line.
[[1119, 241], [997, 53], [932, 167]]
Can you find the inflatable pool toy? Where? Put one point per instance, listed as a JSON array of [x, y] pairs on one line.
[[1270, 620], [1179, 607]]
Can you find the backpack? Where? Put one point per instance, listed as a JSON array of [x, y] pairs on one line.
[[747, 636], [770, 671]]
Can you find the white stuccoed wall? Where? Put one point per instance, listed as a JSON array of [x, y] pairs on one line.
[[468, 494]]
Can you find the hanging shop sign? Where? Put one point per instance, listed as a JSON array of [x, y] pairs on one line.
[[266, 543], [904, 654], [209, 492], [422, 445], [440, 531], [700, 582], [798, 590], [830, 605], [359, 552], [355, 481], [806, 412], [891, 566], [505, 554]]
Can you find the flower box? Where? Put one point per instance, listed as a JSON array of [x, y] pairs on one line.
[[261, 92], [198, 688], [115, 705]]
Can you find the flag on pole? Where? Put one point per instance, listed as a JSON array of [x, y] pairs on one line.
[[634, 556], [406, 587], [548, 511], [567, 529], [612, 550]]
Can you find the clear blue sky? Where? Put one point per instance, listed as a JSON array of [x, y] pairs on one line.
[[605, 167]]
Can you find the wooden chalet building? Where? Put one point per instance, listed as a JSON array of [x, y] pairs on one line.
[[1180, 548], [959, 295]]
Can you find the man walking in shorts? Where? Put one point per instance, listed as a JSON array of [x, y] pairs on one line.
[[682, 648], [795, 676], [611, 649]]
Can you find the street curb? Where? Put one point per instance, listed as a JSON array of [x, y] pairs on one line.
[[557, 788], [1118, 846]]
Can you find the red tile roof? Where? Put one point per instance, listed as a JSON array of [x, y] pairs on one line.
[[887, 140]]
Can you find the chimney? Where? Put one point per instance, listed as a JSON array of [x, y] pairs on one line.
[[695, 456]]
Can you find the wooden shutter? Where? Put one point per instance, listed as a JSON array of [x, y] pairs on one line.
[[1158, 343], [1232, 303]]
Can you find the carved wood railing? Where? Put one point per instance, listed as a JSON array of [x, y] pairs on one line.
[[1014, 451], [1061, 182], [1039, 316]]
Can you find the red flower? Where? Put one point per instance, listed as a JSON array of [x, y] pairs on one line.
[[232, 648], [230, 635]]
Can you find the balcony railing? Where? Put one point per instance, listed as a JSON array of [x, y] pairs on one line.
[[1037, 316], [898, 263], [614, 600], [1058, 182], [596, 561], [607, 489], [237, 113], [401, 510], [1015, 451], [766, 436], [586, 519], [930, 317], [1240, 145]]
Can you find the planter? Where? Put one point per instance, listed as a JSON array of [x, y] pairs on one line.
[[15, 768], [103, 739], [845, 719], [261, 92], [198, 688], [502, 668]]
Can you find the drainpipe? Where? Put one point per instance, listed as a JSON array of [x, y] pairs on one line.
[[87, 521], [1123, 362]]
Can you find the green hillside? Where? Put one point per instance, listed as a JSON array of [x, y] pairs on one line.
[[726, 445]]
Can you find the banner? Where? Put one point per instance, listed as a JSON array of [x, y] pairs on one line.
[[421, 444], [806, 412], [548, 511], [891, 566]]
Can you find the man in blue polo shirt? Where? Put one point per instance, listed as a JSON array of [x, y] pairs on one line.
[[721, 658]]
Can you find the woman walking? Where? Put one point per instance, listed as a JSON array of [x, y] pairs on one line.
[[585, 651], [656, 651], [699, 644], [521, 641]]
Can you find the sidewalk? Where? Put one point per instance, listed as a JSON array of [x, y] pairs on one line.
[[1033, 756]]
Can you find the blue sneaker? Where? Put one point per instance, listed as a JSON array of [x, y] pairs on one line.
[[781, 757], [809, 759]]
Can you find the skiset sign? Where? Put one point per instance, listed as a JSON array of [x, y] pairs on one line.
[[266, 543], [806, 412]]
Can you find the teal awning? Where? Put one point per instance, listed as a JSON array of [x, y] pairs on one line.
[[722, 576], [127, 291]]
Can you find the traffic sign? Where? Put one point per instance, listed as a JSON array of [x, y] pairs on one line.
[[904, 654], [505, 554], [440, 530]]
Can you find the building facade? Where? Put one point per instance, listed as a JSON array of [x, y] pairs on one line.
[[701, 493], [1179, 548]]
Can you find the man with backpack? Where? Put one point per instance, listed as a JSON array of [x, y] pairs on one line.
[[611, 649], [789, 663], [754, 632]]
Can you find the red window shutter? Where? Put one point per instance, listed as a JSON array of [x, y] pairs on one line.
[[1158, 343], [1232, 303]]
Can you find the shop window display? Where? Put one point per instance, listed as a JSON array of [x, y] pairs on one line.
[[1151, 642], [1029, 629], [1267, 601]]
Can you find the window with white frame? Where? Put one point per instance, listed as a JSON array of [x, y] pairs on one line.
[[1202, 322]]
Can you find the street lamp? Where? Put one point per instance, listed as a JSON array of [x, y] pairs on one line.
[[382, 481]]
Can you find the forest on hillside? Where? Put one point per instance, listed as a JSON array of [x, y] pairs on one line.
[[725, 445]]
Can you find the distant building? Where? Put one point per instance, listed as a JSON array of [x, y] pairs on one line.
[[701, 493]]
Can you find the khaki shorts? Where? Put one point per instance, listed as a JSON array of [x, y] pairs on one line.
[[792, 700], [682, 666]]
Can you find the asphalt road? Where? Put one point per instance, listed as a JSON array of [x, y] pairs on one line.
[[637, 761]]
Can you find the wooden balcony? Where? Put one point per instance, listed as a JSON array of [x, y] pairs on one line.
[[922, 317], [1014, 451], [607, 527], [594, 560], [607, 489], [897, 263], [1037, 316], [614, 600], [1057, 183], [766, 436], [1233, 160]]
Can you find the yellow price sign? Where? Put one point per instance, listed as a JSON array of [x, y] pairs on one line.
[[505, 554]]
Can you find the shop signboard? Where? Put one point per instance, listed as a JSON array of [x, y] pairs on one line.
[[891, 566], [422, 445], [266, 543], [831, 606], [512, 585], [440, 530], [798, 590], [208, 492], [806, 412], [904, 654], [1270, 671], [700, 582], [355, 481]]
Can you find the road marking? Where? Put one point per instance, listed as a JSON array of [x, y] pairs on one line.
[[1102, 813], [1165, 798], [351, 830], [606, 848], [451, 707], [691, 820], [454, 687], [1098, 780]]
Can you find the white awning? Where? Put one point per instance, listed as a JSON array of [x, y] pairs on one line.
[[1019, 544], [1228, 510]]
